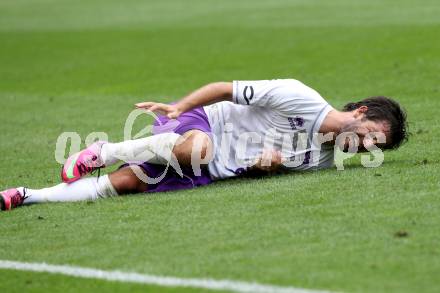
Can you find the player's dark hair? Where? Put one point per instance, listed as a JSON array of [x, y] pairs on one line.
[[385, 109]]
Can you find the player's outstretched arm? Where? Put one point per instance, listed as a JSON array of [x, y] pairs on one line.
[[206, 95]]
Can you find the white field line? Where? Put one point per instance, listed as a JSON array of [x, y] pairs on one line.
[[90, 273]]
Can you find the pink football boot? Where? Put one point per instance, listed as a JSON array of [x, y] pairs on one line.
[[10, 199], [83, 163]]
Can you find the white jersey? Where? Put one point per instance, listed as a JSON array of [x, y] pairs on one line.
[[281, 114]]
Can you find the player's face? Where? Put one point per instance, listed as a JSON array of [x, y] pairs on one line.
[[361, 126]]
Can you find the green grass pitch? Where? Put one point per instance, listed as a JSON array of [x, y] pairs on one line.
[[81, 65]]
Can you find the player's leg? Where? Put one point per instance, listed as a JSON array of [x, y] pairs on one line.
[[121, 182], [156, 149], [193, 148], [125, 181], [84, 189]]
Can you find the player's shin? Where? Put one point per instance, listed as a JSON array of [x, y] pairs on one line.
[[156, 149], [83, 189]]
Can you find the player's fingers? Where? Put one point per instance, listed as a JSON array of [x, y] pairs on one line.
[[156, 109], [173, 115], [158, 106], [266, 159], [265, 154], [159, 109], [144, 104], [277, 159], [152, 108], [257, 161]]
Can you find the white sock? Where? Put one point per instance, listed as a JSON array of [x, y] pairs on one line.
[[156, 149], [83, 189]]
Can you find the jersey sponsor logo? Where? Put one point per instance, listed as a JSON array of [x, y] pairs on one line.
[[296, 122], [247, 97]]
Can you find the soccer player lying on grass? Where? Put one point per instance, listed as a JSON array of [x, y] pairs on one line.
[[229, 129]]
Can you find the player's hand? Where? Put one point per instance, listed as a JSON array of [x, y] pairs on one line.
[[171, 111], [269, 161]]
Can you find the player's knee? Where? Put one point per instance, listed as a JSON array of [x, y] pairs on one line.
[[198, 149], [202, 147], [125, 181], [180, 152]]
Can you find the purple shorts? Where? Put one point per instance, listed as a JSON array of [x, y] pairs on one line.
[[194, 119]]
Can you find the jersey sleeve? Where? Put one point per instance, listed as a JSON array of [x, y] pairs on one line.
[[284, 95]]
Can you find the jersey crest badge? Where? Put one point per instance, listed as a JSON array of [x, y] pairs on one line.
[[296, 122]]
